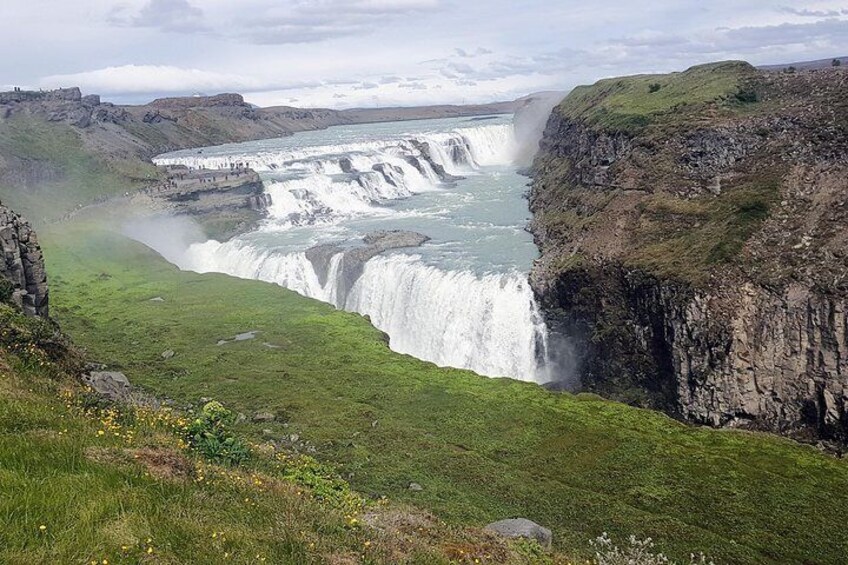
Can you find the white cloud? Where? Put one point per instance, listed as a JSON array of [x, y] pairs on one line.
[[142, 79], [269, 22], [168, 15], [372, 50]]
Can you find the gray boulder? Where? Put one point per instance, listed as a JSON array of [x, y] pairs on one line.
[[522, 528], [264, 417], [355, 256], [112, 384], [168, 354]]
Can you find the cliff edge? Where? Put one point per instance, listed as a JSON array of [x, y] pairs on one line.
[[694, 238]]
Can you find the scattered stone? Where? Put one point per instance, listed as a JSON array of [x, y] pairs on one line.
[[157, 299], [294, 438], [522, 528], [415, 487], [264, 417], [374, 423], [240, 417], [267, 432], [168, 354], [239, 337]]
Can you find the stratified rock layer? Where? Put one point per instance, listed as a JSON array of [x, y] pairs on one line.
[[354, 257]]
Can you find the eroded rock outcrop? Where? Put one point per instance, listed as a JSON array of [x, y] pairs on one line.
[[352, 258], [22, 269], [697, 257], [224, 201]]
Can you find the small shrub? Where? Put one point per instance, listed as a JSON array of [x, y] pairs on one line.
[[836, 62], [654, 87], [753, 211], [6, 290], [637, 552], [531, 551], [747, 95], [323, 481], [210, 435]]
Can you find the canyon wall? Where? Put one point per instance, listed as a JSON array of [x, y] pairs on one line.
[[695, 247]]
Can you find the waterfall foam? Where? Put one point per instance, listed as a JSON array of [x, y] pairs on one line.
[[489, 323]]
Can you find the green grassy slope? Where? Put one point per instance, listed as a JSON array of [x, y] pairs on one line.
[[47, 171], [629, 103], [86, 482], [483, 449]]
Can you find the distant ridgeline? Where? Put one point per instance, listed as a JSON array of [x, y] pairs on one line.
[[168, 124], [63, 94]]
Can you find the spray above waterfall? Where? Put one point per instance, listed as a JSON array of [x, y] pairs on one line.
[[460, 300]]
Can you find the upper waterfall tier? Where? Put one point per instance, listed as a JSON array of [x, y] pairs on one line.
[[322, 183]]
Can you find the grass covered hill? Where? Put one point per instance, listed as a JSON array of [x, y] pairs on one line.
[[85, 481]]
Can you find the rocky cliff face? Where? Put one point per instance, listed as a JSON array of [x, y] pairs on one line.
[[697, 255], [22, 269]]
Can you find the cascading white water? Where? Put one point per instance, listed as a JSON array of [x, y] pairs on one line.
[[451, 316], [291, 270], [489, 324], [314, 187]]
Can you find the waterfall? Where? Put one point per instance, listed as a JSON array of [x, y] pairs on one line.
[[453, 317], [489, 323], [325, 183]]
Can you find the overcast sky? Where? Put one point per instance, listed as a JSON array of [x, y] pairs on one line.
[[343, 53]]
